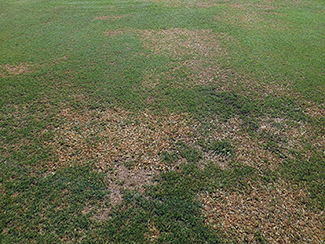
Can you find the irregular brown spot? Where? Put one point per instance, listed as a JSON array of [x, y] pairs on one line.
[[287, 135], [115, 136], [315, 110], [247, 149], [122, 178], [179, 42], [252, 17], [13, 70], [102, 214], [86, 210], [197, 54], [272, 212]]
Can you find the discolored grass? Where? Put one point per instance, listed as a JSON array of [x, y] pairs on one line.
[[13, 70], [117, 136], [162, 121], [267, 213]]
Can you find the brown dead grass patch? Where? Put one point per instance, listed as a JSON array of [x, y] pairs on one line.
[[315, 110], [115, 137], [121, 178], [274, 213], [197, 54], [178, 42], [247, 149], [253, 16], [289, 136], [249, 6], [14, 70], [252, 20], [125, 145], [192, 73]]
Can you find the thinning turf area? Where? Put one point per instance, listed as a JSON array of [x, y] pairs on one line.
[[162, 121]]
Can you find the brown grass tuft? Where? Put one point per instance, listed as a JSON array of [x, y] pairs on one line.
[[125, 145]]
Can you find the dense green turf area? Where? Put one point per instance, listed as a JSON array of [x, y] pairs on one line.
[[67, 60]]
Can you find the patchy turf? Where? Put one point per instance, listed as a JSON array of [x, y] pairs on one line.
[[162, 121], [263, 213], [13, 70]]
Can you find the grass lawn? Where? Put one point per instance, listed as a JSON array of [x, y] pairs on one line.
[[162, 121]]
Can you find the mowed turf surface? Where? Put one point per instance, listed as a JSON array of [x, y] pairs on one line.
[[162, 121]]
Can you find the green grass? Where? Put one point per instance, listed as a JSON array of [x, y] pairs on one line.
[[273, 69]]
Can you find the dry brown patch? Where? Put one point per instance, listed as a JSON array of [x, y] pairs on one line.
[[247, 149], [122, 178], [289, 136], [13, 70], [253, 16], [192, 73], [274, 213], [102, 214], [113, 137], [110, 17], [315, 110], [123, 144], [197, 53], [150, 79], [179, 42]]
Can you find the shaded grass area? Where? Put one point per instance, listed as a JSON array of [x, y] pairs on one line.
[[59, 56]]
